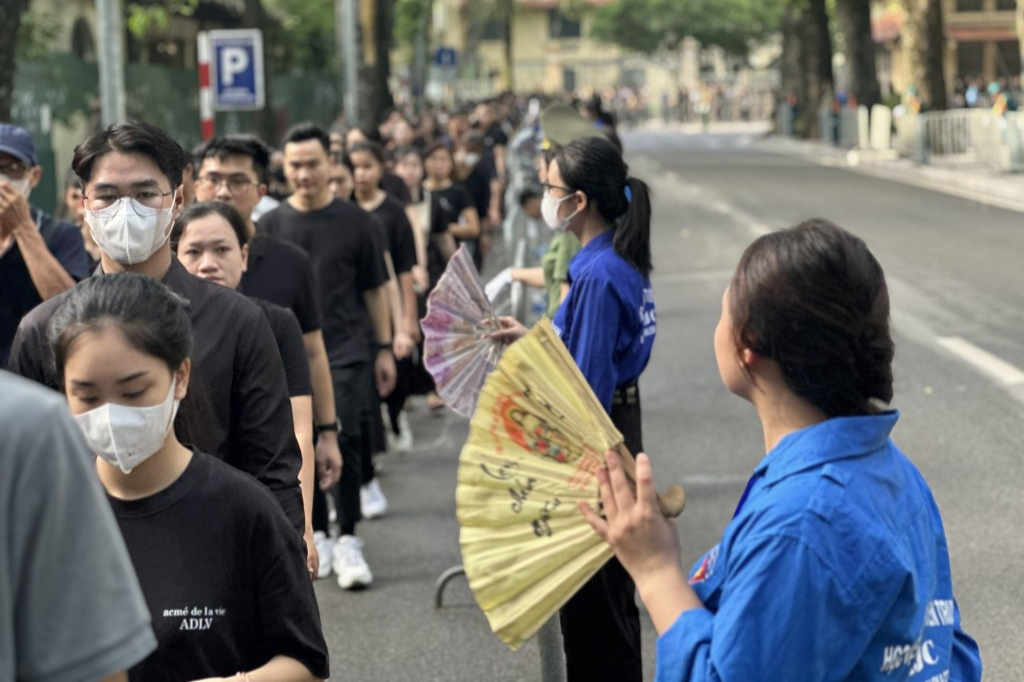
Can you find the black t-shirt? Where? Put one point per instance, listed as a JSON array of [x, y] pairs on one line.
[[478, 184], [447, 205], [289, 343], [18, 294], [224, 577], [396, 188], [280, 272], [237, 404], [347, 256], [495, 136], [398, 235]]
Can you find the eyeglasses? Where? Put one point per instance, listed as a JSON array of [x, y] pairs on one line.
[[235, 183], [144, 201], [15, 170], [547, 187]]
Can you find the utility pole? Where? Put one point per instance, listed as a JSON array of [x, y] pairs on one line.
[[110, 36], [345, 18]]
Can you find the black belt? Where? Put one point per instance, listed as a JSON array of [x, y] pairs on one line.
[[627, 394]]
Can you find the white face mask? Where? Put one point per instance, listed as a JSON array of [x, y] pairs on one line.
[[549, 210], [126, 437], [470, 159], [126, 236], [23, 186]]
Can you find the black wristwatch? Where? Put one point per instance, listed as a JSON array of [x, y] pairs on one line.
[[386, 345], [333, 426]]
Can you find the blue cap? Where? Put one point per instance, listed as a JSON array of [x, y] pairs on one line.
[[18, 143]]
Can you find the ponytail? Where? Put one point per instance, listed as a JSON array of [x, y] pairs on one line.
[[633, 235], [595, 167]]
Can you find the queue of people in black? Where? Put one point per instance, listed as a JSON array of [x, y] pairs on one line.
[[176, 356], [200, 325]]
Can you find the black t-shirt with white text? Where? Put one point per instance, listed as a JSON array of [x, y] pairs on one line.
[[398, 234], [223, 574], [344, 246]]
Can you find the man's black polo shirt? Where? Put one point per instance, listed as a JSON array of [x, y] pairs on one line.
[[280, 272], [237, 406]]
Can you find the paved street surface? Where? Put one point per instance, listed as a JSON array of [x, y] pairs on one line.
[[955, 273]]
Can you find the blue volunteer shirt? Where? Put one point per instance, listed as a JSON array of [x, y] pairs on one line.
[[835, 567], [607, 321]]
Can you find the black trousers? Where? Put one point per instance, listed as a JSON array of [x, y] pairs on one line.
[[352, 392], [601, 622]]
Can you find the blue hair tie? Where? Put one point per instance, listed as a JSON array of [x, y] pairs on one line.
[[629, 195]]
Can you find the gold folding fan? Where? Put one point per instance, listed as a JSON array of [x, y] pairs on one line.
[[536, 441]]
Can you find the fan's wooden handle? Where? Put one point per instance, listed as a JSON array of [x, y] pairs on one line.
[[671, 502]]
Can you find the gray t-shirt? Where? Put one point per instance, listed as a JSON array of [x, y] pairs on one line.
[[70, 604]]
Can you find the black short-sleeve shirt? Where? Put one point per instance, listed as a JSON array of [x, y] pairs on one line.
[[345, 248], [237, 405], [289, 342], [280, 272], [227, 595], [396, 189], [447, 205], [478, 184], [398, 235], [18, 294]]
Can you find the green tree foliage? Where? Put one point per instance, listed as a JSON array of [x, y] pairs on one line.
[[649, 26], [300, 36]]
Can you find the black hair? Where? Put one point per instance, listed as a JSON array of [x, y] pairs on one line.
[[814, 299], [594, 166], [370, 148], [307, 130], [205, 208], [223, 146], [150, 316], [434, 147], [132, 137], [528, 194], [370, 134], [401, 152], [472, 139]]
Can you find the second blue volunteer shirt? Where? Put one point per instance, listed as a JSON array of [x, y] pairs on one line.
[[608, 319], [835, 567]]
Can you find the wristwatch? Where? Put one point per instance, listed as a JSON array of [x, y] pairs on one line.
[[332, 426], [385, 345]]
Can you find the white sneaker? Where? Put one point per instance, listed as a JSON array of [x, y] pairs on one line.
[[403, 442], [349, 564], [325, 552], [372, 502]]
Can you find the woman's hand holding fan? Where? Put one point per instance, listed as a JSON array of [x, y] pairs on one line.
[[534, 452]]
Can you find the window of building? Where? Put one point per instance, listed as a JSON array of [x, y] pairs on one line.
[[970, 60], [1008, 56], [491, 29], [1006, 5], [568, 79], [561, 26], [969, 5]]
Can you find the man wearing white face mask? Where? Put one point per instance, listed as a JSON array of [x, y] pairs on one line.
[[237, 408], [39, 257]]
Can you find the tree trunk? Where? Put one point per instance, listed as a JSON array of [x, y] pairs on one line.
[[923, 42], [10, 26], [384, 24], [794, 85], [506, 8], [859, 47], [816, 53], [264, 122]]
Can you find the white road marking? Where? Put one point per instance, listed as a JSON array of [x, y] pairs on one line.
[[997, 368], [707, 480]]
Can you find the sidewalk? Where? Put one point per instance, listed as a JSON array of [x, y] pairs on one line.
[[985, 186]]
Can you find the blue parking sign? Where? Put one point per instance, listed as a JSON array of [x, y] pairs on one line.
[[236, 69]]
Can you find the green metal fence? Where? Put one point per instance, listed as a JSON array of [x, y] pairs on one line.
[[58, 87]]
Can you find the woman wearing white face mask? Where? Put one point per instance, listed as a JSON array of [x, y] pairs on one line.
[[607, 322], [199, 532]]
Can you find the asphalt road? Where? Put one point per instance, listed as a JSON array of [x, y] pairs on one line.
[[955, 274]]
